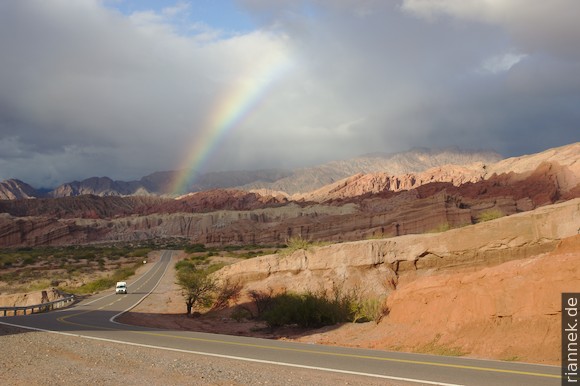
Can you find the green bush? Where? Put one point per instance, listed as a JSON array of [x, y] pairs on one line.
[[443, 227], [105, 283], [490, 214], [316, 309], [367, 310], [185, 265], [195, 248], [140, 252], [241, 313], [296, 243], [200, 258]]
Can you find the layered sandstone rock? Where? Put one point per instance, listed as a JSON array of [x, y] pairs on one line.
[[510, 311], [376, 265], [561, 166], [361, 207]]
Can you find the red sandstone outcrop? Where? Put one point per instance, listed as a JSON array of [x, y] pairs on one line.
[[235, 217], [510, 311], [560, 165], [364, 206], [377, 264], [491, 290]]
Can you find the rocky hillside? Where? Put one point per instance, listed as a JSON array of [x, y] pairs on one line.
[[565, 162], [285, 181], [361, 207], [412, 161], [14, 189], [491, 290], [159, 183]]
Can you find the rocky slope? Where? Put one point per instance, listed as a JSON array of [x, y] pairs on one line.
[[491, 290], [377, 264], [412, 161], [562, 163], [14, 189], [361, 207], [288, 181]]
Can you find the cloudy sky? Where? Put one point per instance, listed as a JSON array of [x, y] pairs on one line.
[[124, 88]]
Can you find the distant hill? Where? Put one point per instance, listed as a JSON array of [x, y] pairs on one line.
[[288, 181], [413, 161], [362, 206], [14, 189]]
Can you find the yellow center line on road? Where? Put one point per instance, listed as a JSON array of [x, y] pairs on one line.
[[408, 361], [63, 319]]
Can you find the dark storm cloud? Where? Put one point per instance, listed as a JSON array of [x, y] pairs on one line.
[[86, 90]]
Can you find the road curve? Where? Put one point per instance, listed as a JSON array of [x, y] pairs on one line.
[[94, 318]]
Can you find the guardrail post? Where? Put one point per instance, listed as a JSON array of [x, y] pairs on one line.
[[43, 307]]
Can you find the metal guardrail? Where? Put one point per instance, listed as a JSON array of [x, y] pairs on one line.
[[43, 307]]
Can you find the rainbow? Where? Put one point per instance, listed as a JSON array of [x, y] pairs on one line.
[[233, 107]]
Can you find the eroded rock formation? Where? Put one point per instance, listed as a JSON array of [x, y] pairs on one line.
[[377, 264], [360, 207]]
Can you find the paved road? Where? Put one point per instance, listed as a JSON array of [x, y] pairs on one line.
[[94, 318]]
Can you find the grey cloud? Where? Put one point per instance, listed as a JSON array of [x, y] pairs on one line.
[[87, 91]]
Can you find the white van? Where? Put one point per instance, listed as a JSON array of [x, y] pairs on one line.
[[121, 287]]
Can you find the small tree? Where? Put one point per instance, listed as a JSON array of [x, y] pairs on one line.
[[197, 287]]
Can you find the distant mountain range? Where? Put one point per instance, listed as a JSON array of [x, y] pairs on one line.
[[276, 180], [358, 207]]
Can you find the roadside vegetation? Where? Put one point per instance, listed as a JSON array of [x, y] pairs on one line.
[[488, 215], [77, 269], [294, 244], [83, 269], [310, 310], [237, 251], [200, 290]]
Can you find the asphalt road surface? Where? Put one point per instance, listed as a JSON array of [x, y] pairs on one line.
[[94, 318]]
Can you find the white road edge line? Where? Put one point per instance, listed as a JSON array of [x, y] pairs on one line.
[[241, 358], [106, 296], [112, 319]]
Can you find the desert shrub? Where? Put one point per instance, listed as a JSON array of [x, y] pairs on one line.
[[263, 301], [367, 310], [296, 243], [200, 258], [140, 252], [306, 310], [226, 291], [241, 313], [185, 265], [317, 309], [490, 214], [201, 290], [214, 268], [96, 286], [105, 283], [193, 248], [443, 227], [250, 254], [286, 310]]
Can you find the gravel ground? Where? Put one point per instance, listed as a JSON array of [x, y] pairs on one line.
[[41, 358]]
